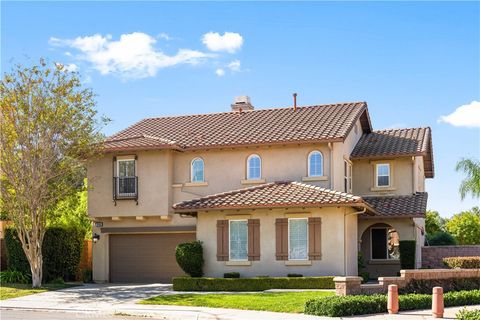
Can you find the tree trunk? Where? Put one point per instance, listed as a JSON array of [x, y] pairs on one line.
[[36, 266]]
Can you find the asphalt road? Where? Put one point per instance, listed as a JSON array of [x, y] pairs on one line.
[[47, 315]]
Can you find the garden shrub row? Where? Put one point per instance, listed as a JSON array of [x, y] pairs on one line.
[[251, 284], [336, 306], [61, 250], [450, 284], [468, 315], [462, 262]]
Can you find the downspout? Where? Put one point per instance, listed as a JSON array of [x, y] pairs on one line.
[[414, 182], [330, 146], [345, 237]]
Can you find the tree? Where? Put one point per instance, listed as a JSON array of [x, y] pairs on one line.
[[471, 184], [49, 130], [433, 222], [465, 227]]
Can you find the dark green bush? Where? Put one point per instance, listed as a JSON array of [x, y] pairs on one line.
[[407, 254], [61, 250], [87, 275], [465, 314], [14, 276], [356, 305], [441, 238], [251, 284], [451, 284], [462, 262], [189, 257], [294, 275], [365, 276], [231, 275]]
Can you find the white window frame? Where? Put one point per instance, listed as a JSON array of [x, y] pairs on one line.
[[118, 173], [289, 258], [347, 177], [191, 170], [230, 242], [386, 244], [389, 174], [309, 160], [248, 167]]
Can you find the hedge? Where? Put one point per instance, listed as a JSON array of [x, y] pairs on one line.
[[61, 249], [450, 284], [407, 254], [468, 315], [251, 284], [462, 262], [336, 306]]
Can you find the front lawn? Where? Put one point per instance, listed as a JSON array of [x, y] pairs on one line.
[[9, 290], [269, 301]]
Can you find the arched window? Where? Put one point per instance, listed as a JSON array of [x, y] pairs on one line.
[[254, 167], [197, 173], [315, 164]]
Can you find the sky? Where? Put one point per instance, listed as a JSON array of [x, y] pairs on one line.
[[416, 64]]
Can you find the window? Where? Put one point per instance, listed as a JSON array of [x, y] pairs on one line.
[[347, 167], [383, 175], [197, 174], [126, 177], [238, 240], [384, 243], [254, 167], [315, 164], [298, 239]]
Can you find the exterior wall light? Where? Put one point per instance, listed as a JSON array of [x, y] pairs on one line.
[[95, 237]]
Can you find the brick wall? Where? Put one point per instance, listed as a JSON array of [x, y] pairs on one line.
[[432, 256]]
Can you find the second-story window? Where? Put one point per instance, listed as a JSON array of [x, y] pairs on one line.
[[197, 174], [254, 167], [382, 175], [315, 164], [126, 176], [347, 167]]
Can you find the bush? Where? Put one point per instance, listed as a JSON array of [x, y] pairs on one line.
[[231, 275], [441, 238], [464, 314], [294, 275], [14, 276], [251, 284], [462, 262], [61, 249], [190, 258], [356, 305], [451, 284], [407, 254], [87, 276], [365, 276]]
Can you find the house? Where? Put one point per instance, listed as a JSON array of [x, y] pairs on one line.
[[268, 192]]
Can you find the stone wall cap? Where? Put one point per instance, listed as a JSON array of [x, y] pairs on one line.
[[347, 279]]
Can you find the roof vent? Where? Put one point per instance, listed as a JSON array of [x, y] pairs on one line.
[[241, 103]]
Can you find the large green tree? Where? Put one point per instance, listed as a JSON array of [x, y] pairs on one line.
[[49, 130], [433, 222], [471, 184], [465, 226]]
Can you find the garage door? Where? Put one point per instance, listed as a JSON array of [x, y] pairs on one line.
[[145, 258]]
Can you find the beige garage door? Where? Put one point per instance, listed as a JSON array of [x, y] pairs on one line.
[[143, 258]]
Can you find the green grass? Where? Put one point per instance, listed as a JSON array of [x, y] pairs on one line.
[[293, 302], [9, 290]]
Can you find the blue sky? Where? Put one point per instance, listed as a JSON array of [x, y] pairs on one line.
[[413, 62]]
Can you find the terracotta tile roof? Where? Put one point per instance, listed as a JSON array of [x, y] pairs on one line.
[[320, 123], [274, 194], [414, 205], [397, 142]]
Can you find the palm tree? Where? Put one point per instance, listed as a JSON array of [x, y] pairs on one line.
[[471, 184]]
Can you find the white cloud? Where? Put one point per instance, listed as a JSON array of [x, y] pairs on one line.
[[132, 56], [234, 66], [229, 42], [164, 36], [467, 115], [72, 67], [220, 72]]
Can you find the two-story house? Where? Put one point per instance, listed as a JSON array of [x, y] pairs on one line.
[[268, 192]]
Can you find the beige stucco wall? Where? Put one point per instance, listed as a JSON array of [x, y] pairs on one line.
[[333, 243]]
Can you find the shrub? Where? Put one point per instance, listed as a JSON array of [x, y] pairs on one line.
[[407, 254], [355, 305], [465, 314], [441, 238], [294, 275], [189, 257], [451, 284], [87, 276], [462, 262], [365, 276], [16, 259], [231, 275], [251, 284], [14, 276]]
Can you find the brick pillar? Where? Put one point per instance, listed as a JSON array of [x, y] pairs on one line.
[[345, 286]]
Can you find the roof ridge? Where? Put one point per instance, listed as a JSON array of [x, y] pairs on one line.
[[327, 190], [398, 129]]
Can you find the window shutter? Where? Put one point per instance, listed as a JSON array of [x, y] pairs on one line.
[[281, 234], [253, 239], [222, 240], [314, 238]]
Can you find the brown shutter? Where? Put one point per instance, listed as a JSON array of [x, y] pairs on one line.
[[222, 240], [253, 239], [281, 234], [314, 238]]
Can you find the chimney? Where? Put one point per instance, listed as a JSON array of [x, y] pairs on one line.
[[295, 101], [241, 103]]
